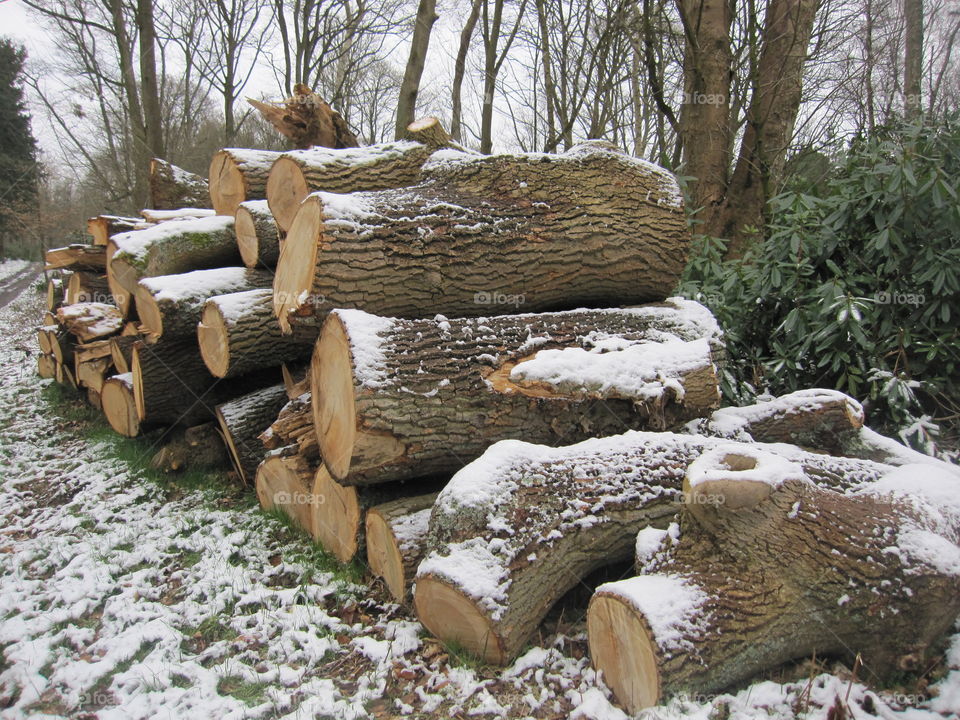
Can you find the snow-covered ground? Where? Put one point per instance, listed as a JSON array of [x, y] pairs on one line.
[[9, 268], [125, 595]]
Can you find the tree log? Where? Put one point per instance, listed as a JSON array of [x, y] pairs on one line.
[[515, 530], [55, 292], [285, 482], [258, 236], [63, 374], [396, 399], [121, 352], [171, 386], [102, 227], [119, 405], [168, 249], [92, 258], [241, 422], [172, 187], [155, 217], [237, 175], [296, 174], [93, 397], [93, 351], [171, 305], [46, 366], [396, 534], [238, 333], [296, 379], [91, 373], [195, 448], [45, 335], [307, 120], [90, 321], [775, 568], [592, 227], [87, 287]]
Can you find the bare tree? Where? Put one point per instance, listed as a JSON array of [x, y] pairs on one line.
[[407, 103]]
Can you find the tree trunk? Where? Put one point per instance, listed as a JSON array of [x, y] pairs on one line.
[[379, 167], [592, 227], [410, 87], [237, 175], [770, 122], [761, 552], [169, 249], [439, 392], [149, 85], [515, 530], [239, 333], [172, 188], [241, 422], [396, 534], [913, 58], [119, 405], [90, 258], [102, 227], [459, 70], [258, 235], [171, 305]]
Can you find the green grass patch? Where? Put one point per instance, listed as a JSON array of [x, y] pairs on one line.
[[249, 693]]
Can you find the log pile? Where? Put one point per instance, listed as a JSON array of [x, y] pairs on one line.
[[468, 370]]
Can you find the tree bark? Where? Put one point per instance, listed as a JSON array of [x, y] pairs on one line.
[[442, 391], [238, 175], [242, 420], [171, 386], [419, 44], [396, 534], [172, 188], [592, 227], [171, 305], [514, 531], [913, 58], [238, 333], [379, 167], [780, 570], [258, 235]]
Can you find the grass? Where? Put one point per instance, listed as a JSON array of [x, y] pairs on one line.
[[249, 693], [461, 657]]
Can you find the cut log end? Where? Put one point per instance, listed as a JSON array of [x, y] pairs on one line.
[[151, 318], [338, 516], [46, 366], [214, 340], [334, 410], [429, 131], [295, 272], [286, 189], [383, 555], [247, 242], [228, 187], [454, 618], [621, 648], [119, 406], [281, 484]]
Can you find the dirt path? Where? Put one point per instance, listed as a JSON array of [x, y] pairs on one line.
[[12, 286]]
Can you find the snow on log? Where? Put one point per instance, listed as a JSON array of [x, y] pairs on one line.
[[169, 248], [91, 258], [171, 305], [172, 187], [771, 567], [396, 399], [102, 227], [119, 405], [296, 174], [242, 420], [90, 321], [480, 235], [155, 217], [517, 528], [396, 534], [237, 175], [238, 333], [258, 236]]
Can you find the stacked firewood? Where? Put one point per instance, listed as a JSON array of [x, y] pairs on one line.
[[470, 369]]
